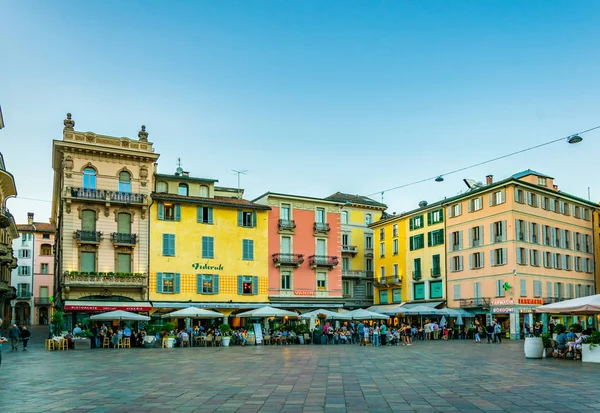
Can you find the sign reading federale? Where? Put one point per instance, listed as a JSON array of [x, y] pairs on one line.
[[206, 266]]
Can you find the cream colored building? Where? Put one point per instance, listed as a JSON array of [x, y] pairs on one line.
[[8, 232], [100, 203]]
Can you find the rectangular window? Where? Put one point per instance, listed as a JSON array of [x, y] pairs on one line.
[[395, 230], [537, 289], [417, 268], [523, 288], [476, 260], [395, 270], [519, 196], [381, 234], [44, 269], [383, 297], [321, 281], [168, 282], [436, 269], [564, 208], [205, 215], [498, 231], [24, 270], [23, 253], [545, 203], [395, 247], [500, 288], [382, 271], [344, 217], [416, 222], [541, 181], [435, 237], [456, 263], [286, 280], [520, 227], [417, 242], [209, 283], [475, 204], [419, 291], [168, 245], [436, 289], [576, 211], [247, 285], [457, 291], [369, 264], [88, 262], [345, 263], [88, 220], [246, 219], [522, 256], [46, 236], [498, 257], [382, 249], [368, 220], [369, 289], [397, 295], [455, 210], [435, 217], [498, 197], [532, 199], [456, 241], [578, 264], [208, 247], [345, 239], [534, 231], [346, 288], [534, 258], [368, 241], [320, 216], [248, 249], [124, 263], [169, 212]]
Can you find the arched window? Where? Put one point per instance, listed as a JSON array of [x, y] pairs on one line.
[[203, 191], [183, 190], [162, 187], [124, 181], [89, 178], [344, 217], [368, 219], [46, 249]]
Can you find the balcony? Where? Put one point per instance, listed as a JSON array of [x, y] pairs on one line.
[[124, 239], [104, 279], [294, 260], [357, 274], [286, 225], [6, 217], [552, 300], [23, 295], [389, 281], [104, 195], [350, 249], [416, 275], [368, 252], [436, 272], [322, 261], [322, 228], [477, 302], [88, 237], [42, 301]]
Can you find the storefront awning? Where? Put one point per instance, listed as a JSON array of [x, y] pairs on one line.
[[185, 304], [107, 305], [393, 309]]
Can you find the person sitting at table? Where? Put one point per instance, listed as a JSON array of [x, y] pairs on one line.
[[116, 338], [561, 347]]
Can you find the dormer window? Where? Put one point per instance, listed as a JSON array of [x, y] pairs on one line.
[[541, 181], [204, 191], [183, 190], [161, 187]]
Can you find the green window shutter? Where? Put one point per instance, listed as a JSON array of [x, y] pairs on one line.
[[210, 215], [441, 215], [240, 285], [161, 211], [429, 238], [159, 282], [441, 236], [204, 248], [176, 282], [251, 249], [411, 243], [165, 245], [199, 214], [240, 218], [429, 218], [254, 219], [177, 212], [172, 245], [198, 283], [412, 224], [216, 284], [255, 285], [211, 247]]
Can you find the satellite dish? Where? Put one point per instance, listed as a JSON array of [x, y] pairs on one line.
[[471, 183]]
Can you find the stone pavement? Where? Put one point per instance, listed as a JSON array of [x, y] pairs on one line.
[[426, 377]]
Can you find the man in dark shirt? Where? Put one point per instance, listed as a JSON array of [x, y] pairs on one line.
[[2, 341]]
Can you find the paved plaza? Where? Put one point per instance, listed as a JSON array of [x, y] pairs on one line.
[[427, 377]]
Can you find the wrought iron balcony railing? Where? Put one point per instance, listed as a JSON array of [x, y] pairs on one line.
[[107, 196], [477, 302], [120, 238], [286, 224], [323, 261], [90, 237], [436, 272], [23, 295], [551, 300], [416, 274], [42, 301], [322, 227], [288, 259]]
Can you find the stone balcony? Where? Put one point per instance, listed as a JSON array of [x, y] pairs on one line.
[[389, 281], [101, 279], [350, 249], [107, 196], [357, 274]]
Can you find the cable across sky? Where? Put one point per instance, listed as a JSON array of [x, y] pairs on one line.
[[484, 162]]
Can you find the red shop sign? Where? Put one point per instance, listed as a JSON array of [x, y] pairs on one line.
[[104, 308]]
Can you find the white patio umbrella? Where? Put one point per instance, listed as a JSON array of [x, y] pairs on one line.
[[193, 312], [267, 311], [331, 315], [120, 315], [361, 314], [459, 320], [576, 306], [443, 322]]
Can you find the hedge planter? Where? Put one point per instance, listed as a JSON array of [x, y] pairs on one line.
[[251, 340], [534, 347], [82, 344], [590, 355], [225, 340]]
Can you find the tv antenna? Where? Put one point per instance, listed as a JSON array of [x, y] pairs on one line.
[[239, 174]]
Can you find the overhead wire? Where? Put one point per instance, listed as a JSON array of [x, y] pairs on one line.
[[483, 163]]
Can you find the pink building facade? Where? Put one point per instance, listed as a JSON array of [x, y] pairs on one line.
[[43, 273], [305, 270]]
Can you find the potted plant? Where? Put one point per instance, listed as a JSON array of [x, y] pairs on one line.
[[168, 333], [546, 339], [590, 350], [225, 333], [534, 347], [58, 324], [301, 329], [83, 340]]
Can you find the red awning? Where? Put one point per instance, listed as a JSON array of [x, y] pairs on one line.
[[107, 306]]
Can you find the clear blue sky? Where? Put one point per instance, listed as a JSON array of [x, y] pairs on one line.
[[311, 97]]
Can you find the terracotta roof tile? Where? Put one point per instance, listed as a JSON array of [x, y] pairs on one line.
[[36, 227], [355, 199], [218, 200]]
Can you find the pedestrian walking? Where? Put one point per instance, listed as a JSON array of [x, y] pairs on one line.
[[383, 331], [2, 341], [489, 330], [376, 335], [497, 332], [478, 331], [25, 334], [14, 335]]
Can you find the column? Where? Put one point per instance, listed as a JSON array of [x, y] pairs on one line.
[[12, 314]]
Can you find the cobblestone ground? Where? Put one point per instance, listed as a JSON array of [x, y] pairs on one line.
[[427, 377]]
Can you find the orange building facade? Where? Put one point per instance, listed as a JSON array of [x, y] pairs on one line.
[[304, 249], [515, 244]]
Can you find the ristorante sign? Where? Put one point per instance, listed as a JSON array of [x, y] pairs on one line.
[[106, 308]]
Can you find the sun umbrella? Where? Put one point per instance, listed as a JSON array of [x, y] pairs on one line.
[[361, 314], [443, 321], [582, 306], [120, 315], [267, 311], [331, 315], [459, 320], [193, 312], [420, 310]]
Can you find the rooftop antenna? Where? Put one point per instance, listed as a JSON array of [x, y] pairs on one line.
[[239, 173], [382, 197], [179, 168]]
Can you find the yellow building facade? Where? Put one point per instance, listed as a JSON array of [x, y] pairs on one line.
[[357, 241], [208, 247]]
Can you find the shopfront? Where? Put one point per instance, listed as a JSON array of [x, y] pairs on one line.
[[513, 314], [82, 310]]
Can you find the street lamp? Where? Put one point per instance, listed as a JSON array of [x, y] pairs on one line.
[[574, 139], [439, 179]]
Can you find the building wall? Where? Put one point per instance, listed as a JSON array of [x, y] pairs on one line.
[[227, 259], [304, 241], [40, 279], [22, 306], [385, 260]]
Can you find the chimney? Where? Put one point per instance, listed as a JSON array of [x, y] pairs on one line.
[[30, 218], [489, 179]]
